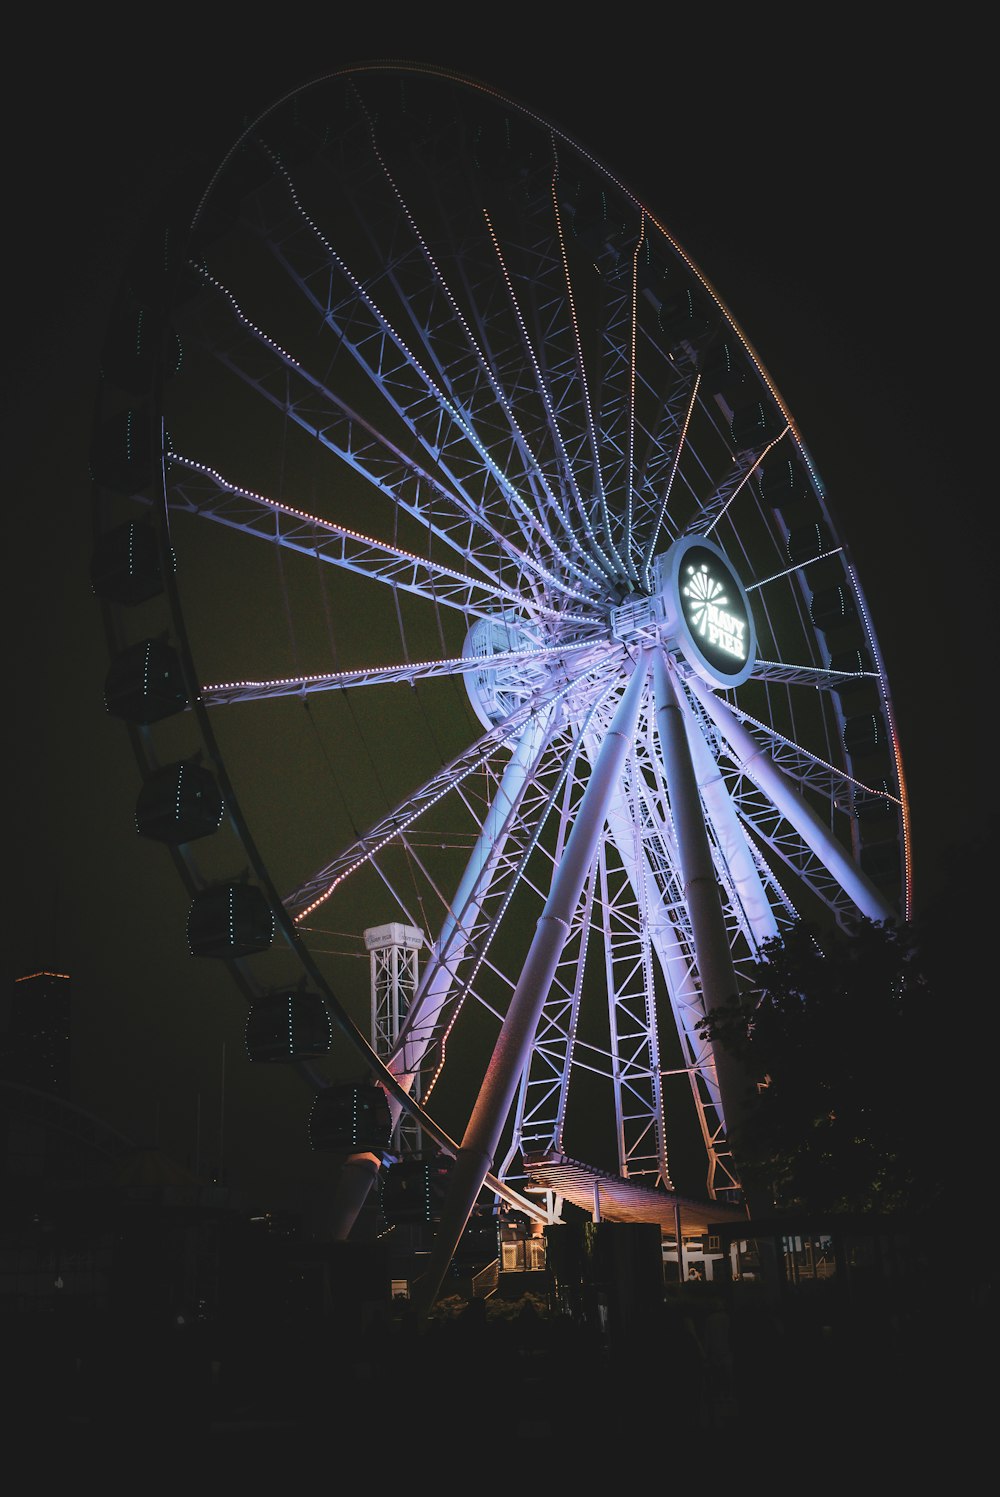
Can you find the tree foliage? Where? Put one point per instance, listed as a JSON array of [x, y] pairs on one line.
[[843, 1043]]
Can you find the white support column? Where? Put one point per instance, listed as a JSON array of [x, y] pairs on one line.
[[716, 973], [517, 1033]]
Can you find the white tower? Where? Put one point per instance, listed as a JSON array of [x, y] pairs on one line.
[[393, 952]]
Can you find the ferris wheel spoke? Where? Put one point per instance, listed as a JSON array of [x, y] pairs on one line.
[[765, 773], [727, 489], [421, 389], [524, 368], [738, 867], [560, 423], [459, 341], [552, 658], [819, 553], [815, 677], [302, 901], [276, 523], [563, 424], [618, 395], [808, 770], [470, 354], [309, 895], [610, 231], [200, 490], [443, 500], [591, 546], [540, 772], [494, 864], [661, 466]]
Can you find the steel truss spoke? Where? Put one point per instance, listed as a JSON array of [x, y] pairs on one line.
[[458, 515], [423, 391]]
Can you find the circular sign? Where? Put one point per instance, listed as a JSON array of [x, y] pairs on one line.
[[707, 607]]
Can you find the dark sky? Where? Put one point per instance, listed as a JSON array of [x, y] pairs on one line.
[[831, 195]]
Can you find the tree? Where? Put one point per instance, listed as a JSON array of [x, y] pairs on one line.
[[841, 1041]]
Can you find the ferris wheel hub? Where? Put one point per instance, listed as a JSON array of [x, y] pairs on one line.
[[698, 608], [502, 683]]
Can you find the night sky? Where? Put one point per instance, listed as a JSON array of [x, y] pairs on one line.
[[831, 198]]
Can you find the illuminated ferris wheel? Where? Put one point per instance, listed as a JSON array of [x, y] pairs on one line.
[[464, 571]]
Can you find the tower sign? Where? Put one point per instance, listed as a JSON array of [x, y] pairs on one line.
[[707, 611]]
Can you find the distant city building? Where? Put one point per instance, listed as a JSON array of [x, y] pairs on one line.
[[35, 1051]]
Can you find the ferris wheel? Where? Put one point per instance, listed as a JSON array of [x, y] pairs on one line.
[[464, 570]]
